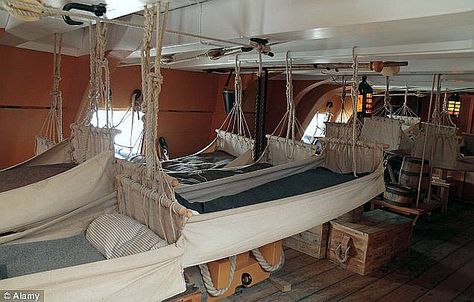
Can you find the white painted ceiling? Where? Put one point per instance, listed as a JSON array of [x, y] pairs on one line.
[[434, 36]]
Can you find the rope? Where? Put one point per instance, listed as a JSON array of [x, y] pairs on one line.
[[386, 109], [405, 110], [52, 128], [342, 258], [289, 122], [424, 141], [265, 265], [355, 84], [206, 276], [37, 10], [235, 121], [99, 82]]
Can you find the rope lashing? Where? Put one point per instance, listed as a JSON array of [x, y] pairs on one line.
[[289, 123], [264, 263], [206, 276], [386, 109], [99, 82], [235, 121], [52, 128]]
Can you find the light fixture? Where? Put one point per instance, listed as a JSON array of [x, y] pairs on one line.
[[454, 105], [365, 98]]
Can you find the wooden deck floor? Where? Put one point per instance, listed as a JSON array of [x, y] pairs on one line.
[[439, 267]]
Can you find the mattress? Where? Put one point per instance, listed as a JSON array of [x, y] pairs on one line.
[[301, 183], [28, 258], [25, 175]]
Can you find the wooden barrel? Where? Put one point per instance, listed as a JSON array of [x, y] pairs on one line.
[[399, 195], [410, 173]]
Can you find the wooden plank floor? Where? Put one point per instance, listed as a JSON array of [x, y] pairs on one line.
[[439, 267]]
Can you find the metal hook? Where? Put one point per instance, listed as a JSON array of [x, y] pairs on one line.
[[99, 10]]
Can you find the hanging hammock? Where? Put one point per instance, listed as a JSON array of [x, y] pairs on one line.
[[406, 114], [232, 146]]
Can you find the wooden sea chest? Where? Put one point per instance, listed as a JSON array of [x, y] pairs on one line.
[[312, 242], [371, 243]]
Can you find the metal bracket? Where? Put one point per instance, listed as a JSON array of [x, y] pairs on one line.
[[99, 10]]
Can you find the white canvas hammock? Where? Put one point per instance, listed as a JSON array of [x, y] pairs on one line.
[[382, 130], [233, 136], [442, 145], [65, 204]]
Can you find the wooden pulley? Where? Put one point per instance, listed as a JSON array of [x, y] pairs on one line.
[[376, 66], [26, 10], [390, 71]]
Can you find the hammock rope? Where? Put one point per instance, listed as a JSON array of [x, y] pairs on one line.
[[405, 110], [99, 82], [440, 114], [264, 263], [386, 109], [235, 121], [206, 276], [52, 128], [354, 87], [289, 122]]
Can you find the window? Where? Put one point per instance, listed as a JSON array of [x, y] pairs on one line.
[[316, 127], [128, 142]]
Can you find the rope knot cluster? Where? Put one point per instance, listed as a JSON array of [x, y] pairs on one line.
[[156, 78]]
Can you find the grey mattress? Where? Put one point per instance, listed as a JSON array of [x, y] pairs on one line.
[[305, 182], [28, 258], [22, 176]]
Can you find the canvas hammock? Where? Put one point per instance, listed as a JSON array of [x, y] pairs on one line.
[[438, 140], [382, 130], [442, 146], [69, 202], [233, 136]]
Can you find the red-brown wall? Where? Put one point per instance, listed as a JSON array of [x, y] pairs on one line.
[[25, 81], [187, 102]]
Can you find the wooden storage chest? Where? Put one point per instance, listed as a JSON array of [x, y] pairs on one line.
[[312, 242], [365, 246]]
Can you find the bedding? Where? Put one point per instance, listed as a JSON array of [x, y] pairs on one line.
[[200, 176], [26, 175], [117, 235], [203, 161], [308, 181], [28, 258]]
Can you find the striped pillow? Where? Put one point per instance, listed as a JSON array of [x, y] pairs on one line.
[[117, 235]]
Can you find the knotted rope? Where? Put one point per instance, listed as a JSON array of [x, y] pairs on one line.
[[289, 122], [99, 82], [52, 128], [405, 110], [440, 115], [235, 121]]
